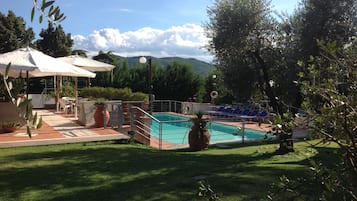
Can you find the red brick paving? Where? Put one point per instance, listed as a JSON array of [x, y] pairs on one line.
[[47, 132]]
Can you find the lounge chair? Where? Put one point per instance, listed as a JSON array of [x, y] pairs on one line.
[[218, 111]]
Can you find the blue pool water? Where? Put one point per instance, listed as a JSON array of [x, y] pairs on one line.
[[177, 132]]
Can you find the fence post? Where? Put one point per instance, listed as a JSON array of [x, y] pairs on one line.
[[160, 135], [170, 106], [105, 116], [120, 115], [243, 132], [131, 109]]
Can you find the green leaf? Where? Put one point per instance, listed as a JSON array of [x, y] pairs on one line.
[[41, 18], [39, 124], [57, 12], [301, 74], [28, 131], [62, 19], [34, 120], [51, 11], [43, 3], [32, 13], [47, 4], [59, 17], [300, 63], [7, 70]]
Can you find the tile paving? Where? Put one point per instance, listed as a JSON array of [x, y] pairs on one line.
[[58, 128]]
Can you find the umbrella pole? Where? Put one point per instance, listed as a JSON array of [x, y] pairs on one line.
[[57, 94], [27, 92], [27, 85], [76, 96]]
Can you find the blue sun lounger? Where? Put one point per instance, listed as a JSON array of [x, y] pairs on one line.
[[218, 111]]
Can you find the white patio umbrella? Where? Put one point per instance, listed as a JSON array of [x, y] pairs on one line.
[[87, 63], [28, 62], [38, 64]]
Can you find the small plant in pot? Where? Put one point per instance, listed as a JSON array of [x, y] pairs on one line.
[[101, 113], [16, 111], [199, 137], [9, 127]]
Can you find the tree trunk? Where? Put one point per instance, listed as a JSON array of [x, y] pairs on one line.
[[265, 78]]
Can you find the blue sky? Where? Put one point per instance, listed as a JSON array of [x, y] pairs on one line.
[[157, 28]]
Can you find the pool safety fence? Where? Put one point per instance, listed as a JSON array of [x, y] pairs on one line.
[[164, 133], [149, 130]]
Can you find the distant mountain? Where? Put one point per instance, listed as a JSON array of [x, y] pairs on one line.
[[200, 67]]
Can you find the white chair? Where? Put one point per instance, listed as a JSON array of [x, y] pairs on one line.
[[65, 105]]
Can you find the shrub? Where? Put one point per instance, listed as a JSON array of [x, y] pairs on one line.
[[110, 93], [68, 90]]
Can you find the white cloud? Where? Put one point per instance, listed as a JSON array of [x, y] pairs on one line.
[[182, 41]]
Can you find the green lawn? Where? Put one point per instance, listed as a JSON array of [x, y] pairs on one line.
[[106, 172]]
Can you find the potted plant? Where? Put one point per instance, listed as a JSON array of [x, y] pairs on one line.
[[199, 137], [101, 113], [17, 111], [282, 127], [9, 127]]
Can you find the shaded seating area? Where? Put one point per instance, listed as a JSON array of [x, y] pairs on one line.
[[67, 104]]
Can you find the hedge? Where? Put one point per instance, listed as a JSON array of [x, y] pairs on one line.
[[110, 93]]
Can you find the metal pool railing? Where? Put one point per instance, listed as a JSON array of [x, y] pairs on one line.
[[147, 129], [167, 106], [152, 131]]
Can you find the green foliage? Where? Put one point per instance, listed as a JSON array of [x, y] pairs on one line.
[[48, 10], [109, 93], [249, 46], [82, 53], [23, 104], [179, 82], [200, 67], [205, 190], [326, 20], [110, 79], [330, 102], [217, 84], [177, 74], [13, 34], [68, 90], [282, 127], [17, 87], [100, 101], [54, 41]]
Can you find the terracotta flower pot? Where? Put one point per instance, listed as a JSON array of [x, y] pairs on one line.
[[8, 129], [99, 116], [198, 137]]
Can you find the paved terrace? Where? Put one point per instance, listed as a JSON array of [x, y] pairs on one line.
[[57, 129]]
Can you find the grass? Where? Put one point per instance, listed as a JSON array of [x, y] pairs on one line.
[[106, 171]]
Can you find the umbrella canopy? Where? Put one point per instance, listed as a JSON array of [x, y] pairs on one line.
[[87, 63], [38, 64]]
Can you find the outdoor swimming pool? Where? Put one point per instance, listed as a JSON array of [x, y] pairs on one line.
[[175, 130]]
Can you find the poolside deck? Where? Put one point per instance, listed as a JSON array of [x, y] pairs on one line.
[[58, 128]]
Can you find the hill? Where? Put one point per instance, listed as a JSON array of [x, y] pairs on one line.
[[200, 67]]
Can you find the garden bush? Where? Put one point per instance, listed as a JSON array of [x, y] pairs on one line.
[[110, 93]]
